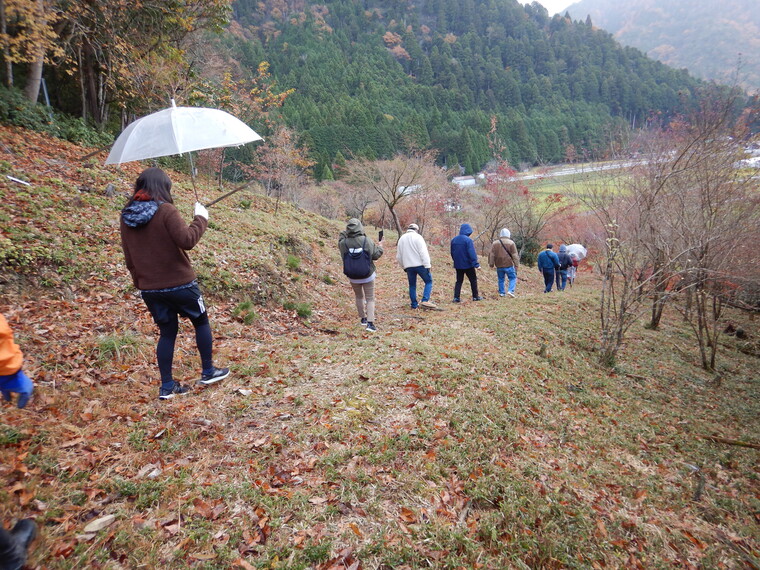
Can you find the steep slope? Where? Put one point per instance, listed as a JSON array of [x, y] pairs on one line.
[[711, 39], [484, 435]]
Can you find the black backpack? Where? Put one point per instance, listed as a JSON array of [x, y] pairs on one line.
[[357, 265]]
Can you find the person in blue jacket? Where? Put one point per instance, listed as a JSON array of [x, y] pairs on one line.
[[465, 262], [548, 263]]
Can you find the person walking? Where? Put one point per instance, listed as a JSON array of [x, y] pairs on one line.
[[465, 262], [413, 257], [565, 263], [155, 240], [353, 240], [548, 263], [12, 377], [505, 257]]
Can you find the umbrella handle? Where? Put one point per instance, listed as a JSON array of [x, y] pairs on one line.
[[230, 193], [192, 172]]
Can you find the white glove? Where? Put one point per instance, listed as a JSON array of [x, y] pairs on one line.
[[200, 210]]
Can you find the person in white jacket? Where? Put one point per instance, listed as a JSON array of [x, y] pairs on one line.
[[413, 257]]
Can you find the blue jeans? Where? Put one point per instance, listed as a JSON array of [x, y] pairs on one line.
[[411, 275], [561, 279], [511, 274], [548, 279], [19, 383]]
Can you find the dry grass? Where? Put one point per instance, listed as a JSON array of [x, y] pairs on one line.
[[448, 439]]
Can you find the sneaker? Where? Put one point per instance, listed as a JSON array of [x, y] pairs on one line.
[[371, 327], [414, 306], [502, 294], [456, 300], [176, 390], [477, 298], [364, 321], [428, 305], [511, 294], [214, 376]]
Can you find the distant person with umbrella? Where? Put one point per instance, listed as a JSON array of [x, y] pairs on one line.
[[576, 252], [155, 240]]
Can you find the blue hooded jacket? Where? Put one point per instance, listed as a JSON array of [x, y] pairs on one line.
[[463, 249], [547, 260]]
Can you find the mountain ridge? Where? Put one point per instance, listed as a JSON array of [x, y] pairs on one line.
[[679, 32], [377, 79]]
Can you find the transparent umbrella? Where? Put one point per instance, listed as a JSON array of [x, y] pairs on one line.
[[179, 130]]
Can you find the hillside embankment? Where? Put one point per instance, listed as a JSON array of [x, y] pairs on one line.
[[484, 435]]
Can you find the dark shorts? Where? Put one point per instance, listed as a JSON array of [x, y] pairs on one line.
[[164, 306]]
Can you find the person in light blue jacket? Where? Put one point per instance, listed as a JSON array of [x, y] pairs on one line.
[[548, 263], [465, 262]]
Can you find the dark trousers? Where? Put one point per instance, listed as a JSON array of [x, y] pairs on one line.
[[166, 307], [561, 279], [548, 279], [472, 275]]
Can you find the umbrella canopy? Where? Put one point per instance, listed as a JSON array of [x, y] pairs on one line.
[[178, 130], [576, 250]]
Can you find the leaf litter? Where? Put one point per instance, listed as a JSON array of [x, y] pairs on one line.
[[446, 440]]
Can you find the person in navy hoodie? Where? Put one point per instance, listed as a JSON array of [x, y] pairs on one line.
[[465, 262], [548, 263]]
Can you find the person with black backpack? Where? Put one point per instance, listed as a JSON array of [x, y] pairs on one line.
[[359, 253]]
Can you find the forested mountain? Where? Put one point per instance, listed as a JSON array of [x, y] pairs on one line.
[[375, 77], [708, 38]]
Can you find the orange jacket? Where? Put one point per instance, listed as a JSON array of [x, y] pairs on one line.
[[10, 354]]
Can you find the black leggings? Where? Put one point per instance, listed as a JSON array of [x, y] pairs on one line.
[[167, 340], [472, 275], [166, 306]]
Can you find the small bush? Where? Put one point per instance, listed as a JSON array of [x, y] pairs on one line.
[[302, 309], [530, 250], [16, 110], [9, 435], [112, 346], [245, 313], [293, 262]]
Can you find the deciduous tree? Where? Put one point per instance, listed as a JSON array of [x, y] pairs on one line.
[[396, 179]]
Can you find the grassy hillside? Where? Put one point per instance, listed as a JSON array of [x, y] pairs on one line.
[[484, 435]]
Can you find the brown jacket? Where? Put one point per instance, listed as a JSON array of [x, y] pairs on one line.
[[156, 252], [498, 256]]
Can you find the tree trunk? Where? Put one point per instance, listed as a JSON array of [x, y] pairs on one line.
[[88, 77], [6, 50], [34, 81]]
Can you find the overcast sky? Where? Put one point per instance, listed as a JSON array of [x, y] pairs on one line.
[[553, 6]]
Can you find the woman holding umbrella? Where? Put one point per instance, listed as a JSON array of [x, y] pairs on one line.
[[155, 240]]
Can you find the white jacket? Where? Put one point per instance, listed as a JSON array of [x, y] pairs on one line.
[[412, 250]]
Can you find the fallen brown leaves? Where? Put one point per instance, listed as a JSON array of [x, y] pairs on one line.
[[445, 442]]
